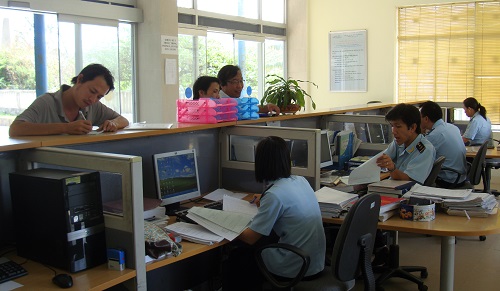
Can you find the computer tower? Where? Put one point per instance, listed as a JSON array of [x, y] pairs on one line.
[[58, 217]]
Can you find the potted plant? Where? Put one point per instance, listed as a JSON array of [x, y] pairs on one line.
[[286, 94]]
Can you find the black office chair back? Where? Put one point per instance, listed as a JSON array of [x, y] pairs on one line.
[[478, 163], [436, 168], [354, 243]]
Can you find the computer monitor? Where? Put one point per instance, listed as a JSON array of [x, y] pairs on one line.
[[176, 177], [325, 149]]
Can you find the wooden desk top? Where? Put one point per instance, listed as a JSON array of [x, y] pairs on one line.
[[490, 153], [443, 225], [98, 278]]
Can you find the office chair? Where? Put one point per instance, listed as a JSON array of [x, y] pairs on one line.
[[436, 168], [491, 164], [392, 267], [351, 252]]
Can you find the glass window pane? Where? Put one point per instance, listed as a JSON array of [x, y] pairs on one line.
[[274, 57], [273, 10], [220, 52], [17, 60], [185, 3], [247, 56], [125, 82], [244, 8]]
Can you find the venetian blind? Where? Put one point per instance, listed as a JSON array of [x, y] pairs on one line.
[[450, 52]]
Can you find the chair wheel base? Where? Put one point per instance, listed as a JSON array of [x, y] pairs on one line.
[[424, 274], [482, 237], [423, 288]]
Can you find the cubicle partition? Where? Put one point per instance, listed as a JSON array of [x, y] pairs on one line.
[[125, 232], [237, 146]]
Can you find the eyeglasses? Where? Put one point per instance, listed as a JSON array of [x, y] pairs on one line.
[[236, 82]]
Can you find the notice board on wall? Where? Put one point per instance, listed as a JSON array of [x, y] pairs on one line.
[[348, 60]]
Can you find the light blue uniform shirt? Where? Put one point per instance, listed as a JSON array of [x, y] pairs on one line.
[[290, 208], [415, 163], [478, 130], [447, 141]]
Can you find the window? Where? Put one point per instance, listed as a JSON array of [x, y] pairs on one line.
[[206, 43], [68, 43], [450, 52]]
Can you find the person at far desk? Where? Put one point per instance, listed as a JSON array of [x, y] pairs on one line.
[[206, 87], [231, 83], [448, 143], [410, 156], [479, 128], [290, 208], [72, 110]]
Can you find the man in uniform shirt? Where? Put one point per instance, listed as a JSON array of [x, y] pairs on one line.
[[410, 156], [447, 141]]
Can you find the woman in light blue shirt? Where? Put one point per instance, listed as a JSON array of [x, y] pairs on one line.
[[479, 128]]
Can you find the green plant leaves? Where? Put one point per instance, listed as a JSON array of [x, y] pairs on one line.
[[285, 92]]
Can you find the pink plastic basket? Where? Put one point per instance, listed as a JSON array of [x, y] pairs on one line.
[[187, 118]]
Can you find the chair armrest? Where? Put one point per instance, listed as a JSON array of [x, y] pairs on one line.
[[306, 260]]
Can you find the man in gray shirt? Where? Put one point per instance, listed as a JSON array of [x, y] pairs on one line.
[[72, 110]]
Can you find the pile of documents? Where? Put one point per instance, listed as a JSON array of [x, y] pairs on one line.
[[475, 205], [391, 187], [334, 203], [389, 206], [461, 202]]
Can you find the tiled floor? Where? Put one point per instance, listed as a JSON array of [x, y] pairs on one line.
[[477, 263]]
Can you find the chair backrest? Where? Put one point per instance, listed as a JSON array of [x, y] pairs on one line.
[[359, 227], [436, 168], [477, 167]]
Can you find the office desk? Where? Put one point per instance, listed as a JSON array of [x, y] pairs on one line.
[[447, 227], [490, 153]]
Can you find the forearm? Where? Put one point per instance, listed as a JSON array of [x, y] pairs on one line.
[[120, 122], [249, 236]]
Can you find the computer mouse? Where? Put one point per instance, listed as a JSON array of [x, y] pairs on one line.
[[63, 280]]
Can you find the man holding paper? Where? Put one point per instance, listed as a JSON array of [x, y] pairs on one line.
[[410, 156]]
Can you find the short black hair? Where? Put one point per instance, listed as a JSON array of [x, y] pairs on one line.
[[407, 113], [272, 159], [92, 71], [432, 110], [226, 73], [203, 83]]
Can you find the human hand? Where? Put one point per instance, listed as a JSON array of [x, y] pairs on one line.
[[79, 127], [256, 199], [108, 126], [384, 161], [271, 107]]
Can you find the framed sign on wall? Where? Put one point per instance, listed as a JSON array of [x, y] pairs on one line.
[[348, 72]]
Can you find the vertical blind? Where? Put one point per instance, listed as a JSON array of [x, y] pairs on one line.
[[449, 52]]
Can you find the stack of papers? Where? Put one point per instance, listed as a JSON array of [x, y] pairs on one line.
[[476, 204], [333, 203], [389, 206], [390, 186], [437, 194], [193, 232]]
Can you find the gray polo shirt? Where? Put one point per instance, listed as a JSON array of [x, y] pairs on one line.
[[48, 109]]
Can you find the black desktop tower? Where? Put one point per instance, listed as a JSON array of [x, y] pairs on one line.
[[58, 218]]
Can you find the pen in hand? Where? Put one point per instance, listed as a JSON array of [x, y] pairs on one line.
[[81, 114]]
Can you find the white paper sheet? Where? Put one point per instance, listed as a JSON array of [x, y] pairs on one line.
[[366, 173], [218, 194], [240, 206]]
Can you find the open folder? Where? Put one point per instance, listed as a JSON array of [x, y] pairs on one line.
[[366, 173]]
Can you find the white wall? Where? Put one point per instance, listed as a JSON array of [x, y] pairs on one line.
[[379, 18]]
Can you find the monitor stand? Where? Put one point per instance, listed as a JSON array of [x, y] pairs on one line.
[[171, 209]]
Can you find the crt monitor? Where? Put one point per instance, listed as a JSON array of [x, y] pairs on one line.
[[176, 177], [325, 149]]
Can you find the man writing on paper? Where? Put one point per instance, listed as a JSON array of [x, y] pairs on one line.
[[448, 143], [410, 156], [72, 110]]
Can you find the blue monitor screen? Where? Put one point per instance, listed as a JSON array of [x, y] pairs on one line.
[[176, 176]]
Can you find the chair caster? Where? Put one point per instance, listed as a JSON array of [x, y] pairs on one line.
[[423, 287], [424, 274], [482, 237]]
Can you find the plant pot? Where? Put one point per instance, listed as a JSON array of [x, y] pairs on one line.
[[290, 109]]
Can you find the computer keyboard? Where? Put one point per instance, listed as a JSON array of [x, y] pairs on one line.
[[214, 205], [10, 270]]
